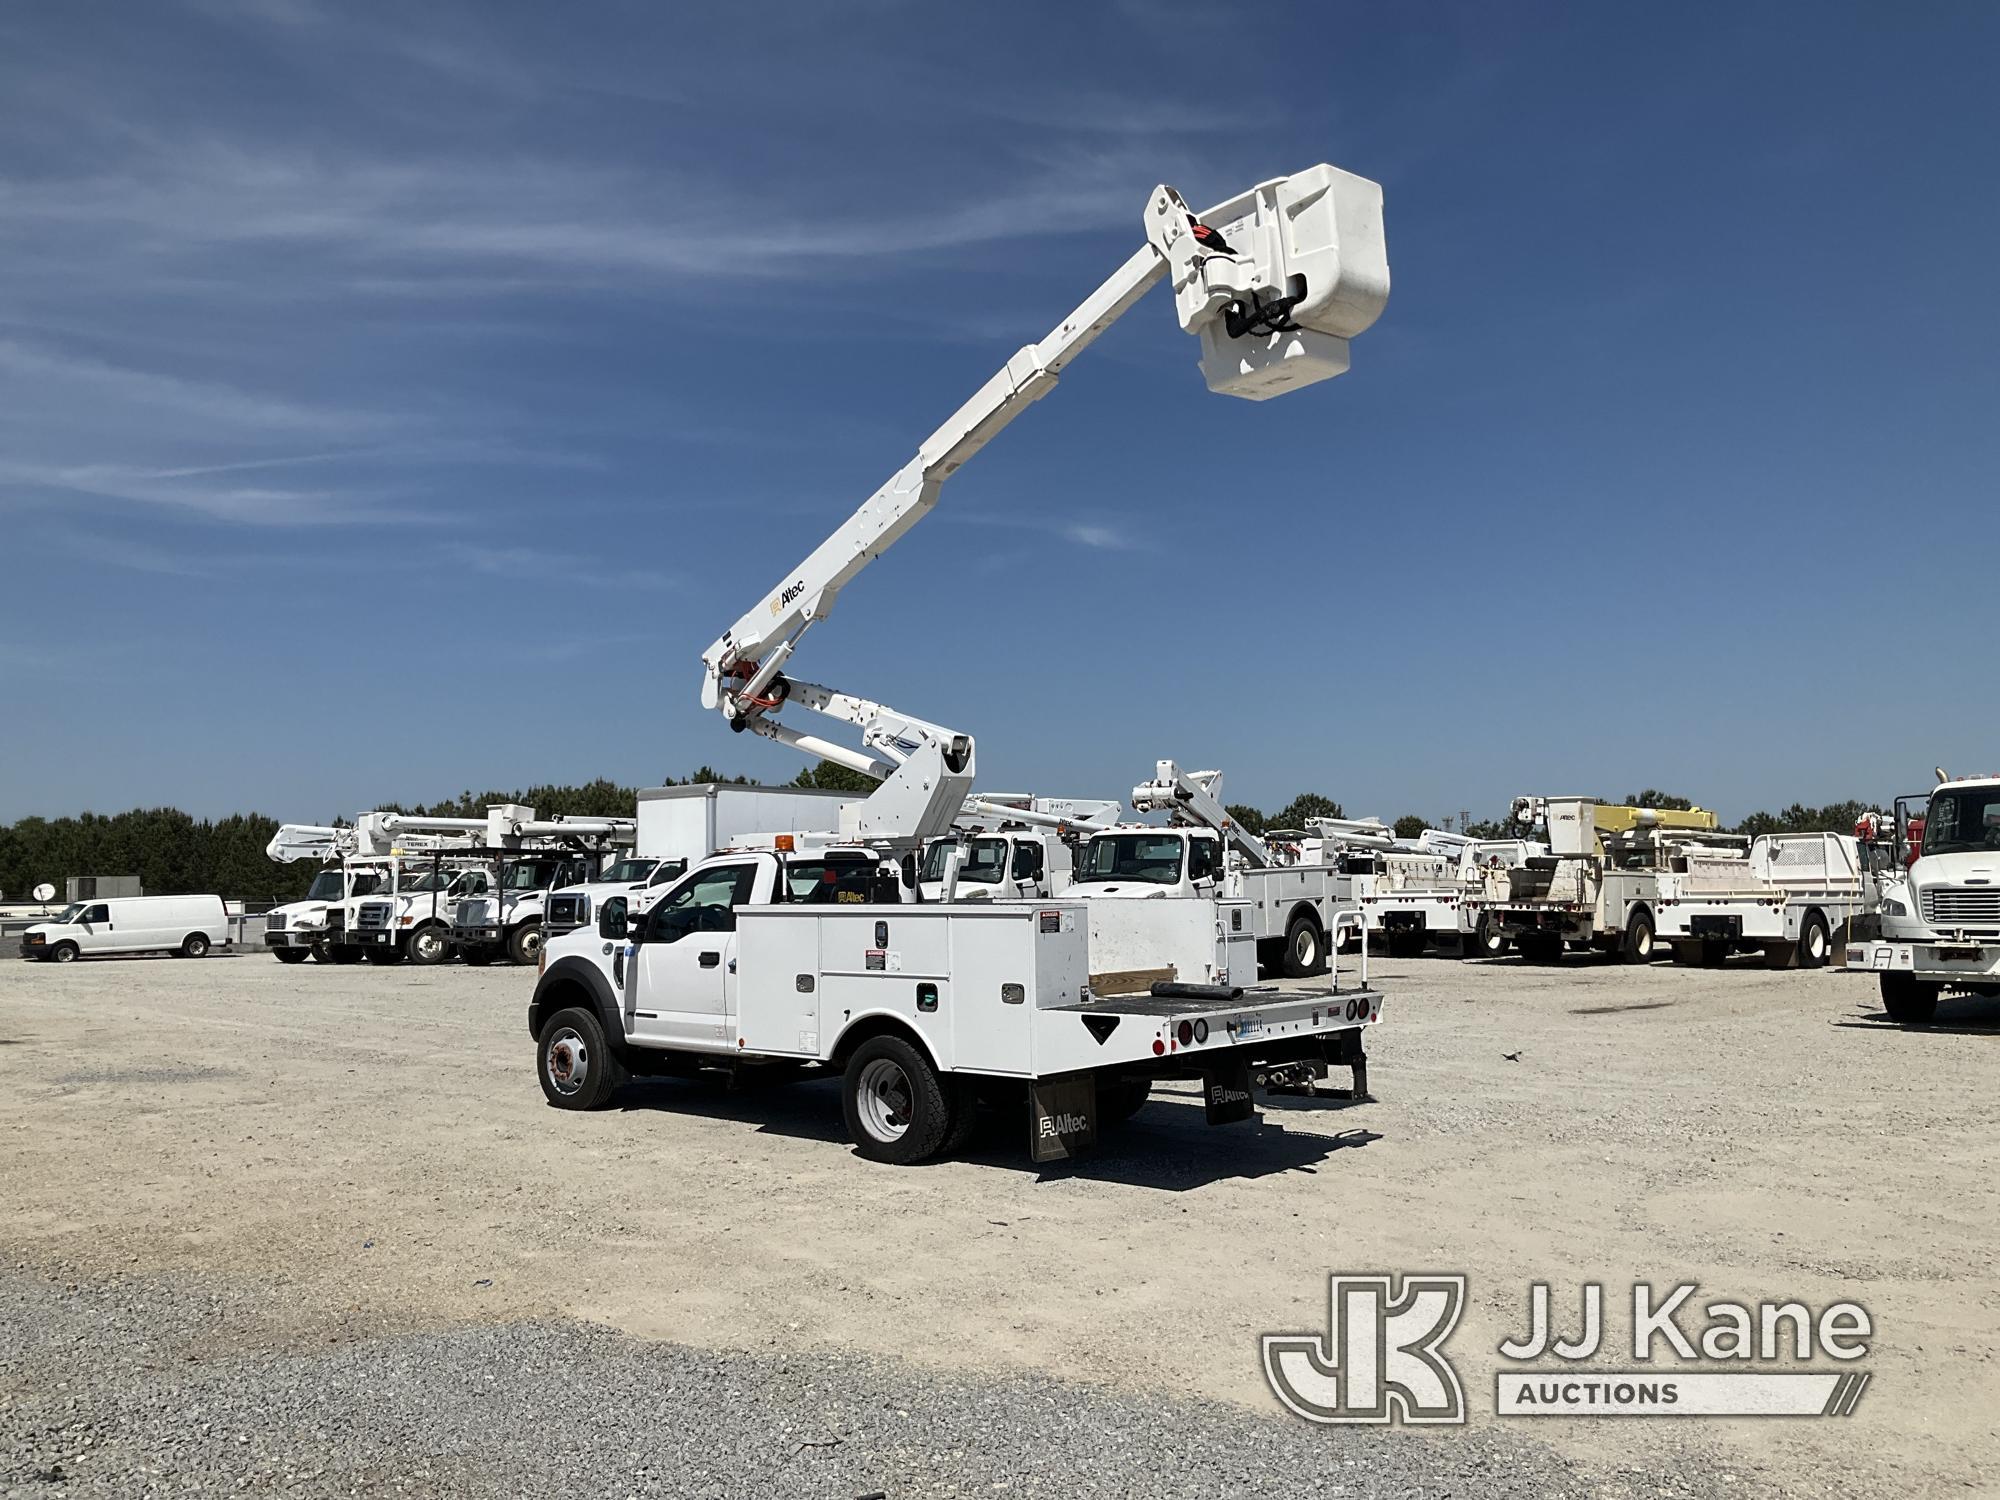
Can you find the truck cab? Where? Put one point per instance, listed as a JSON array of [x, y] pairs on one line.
[[302, 928], [508, 919], [1011, 865], [632, 878], [411, 916], [1941, 922], [1143, 863]]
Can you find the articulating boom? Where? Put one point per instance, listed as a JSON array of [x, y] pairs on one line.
[[1195, 798], [1274, 282]]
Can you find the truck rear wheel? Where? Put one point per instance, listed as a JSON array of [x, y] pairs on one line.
[[1488, 940], [290, 955], [1637, 947], [1907, 999], [476, 954], [524, 943], [343, 953], [429, 944], [1815, 943], [383, 957], [194, 945], [575, 1062], [1118, 1099], [894, 1102], [1305, 948]]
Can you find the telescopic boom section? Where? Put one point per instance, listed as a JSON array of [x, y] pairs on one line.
[[1274, 282]]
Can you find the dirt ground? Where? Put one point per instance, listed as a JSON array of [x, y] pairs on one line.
[[374, 1143]]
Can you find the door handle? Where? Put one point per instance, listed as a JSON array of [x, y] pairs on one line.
[[710, 959]]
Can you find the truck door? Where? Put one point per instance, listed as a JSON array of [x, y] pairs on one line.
[[676, 981], [100, 933]]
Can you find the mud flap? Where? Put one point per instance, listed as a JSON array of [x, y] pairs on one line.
[[1225, 1093], [1062, 1116]]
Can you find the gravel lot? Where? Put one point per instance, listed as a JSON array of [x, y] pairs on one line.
[[313, 1229]]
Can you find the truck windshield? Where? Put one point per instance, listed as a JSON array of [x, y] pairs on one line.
[[70, 914], [325, 886], [628, 871], [983, 863], [1965, 822], [532, 875], [1151, 857]]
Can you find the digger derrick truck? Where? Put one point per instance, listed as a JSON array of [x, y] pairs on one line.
[[926, 1010], [1599, 886], [1940, 920]]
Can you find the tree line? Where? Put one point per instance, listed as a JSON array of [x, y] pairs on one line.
[[171, 851]]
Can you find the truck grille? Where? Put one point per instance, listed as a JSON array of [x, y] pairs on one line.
[[1958, 906], [374, 914], [275, 922], [568, 911]]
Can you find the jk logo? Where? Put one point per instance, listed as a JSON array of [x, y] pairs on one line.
[[1379, 1359]]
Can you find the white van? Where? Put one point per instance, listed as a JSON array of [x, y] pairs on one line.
[[187, 925]]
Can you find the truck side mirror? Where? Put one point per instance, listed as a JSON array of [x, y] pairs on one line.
[[612, 923]]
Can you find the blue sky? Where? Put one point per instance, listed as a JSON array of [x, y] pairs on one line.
[[395, 399]]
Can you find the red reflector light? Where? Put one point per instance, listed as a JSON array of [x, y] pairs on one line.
[[1159, 1047], [1186, 1033]]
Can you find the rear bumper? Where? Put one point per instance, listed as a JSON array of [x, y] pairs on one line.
[[1577, 926], [1758, 921]]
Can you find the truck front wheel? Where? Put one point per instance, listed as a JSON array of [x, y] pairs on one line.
[[575, 1062], [1305, 948], [524, 943], [290, 955], [1907, 999], [429, 944], [894, 1102]]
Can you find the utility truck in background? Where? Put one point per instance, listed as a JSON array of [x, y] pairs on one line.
[[678, 826], [1598, 887], [1940, 921], [1428, 890], [757, 962], [1011, 846], [1788, 896], [1292, 914], [357, 861]]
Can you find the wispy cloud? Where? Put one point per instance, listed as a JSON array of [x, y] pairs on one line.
[[1100, 536]]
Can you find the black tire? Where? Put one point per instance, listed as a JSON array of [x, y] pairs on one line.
[[383, 958], [1908, 1000], [1714, 953], [290, 955], [342, 953], [1636, 947], [574, 1061], [478, 955], [319, 954], [63, 952], [524, 943], [1815, 941], [1305, 948], [194, 945], [1118, 1099], [894, 1102], [965, 1116], [429, 944], [1487, 940]]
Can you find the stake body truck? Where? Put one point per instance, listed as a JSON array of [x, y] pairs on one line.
[[1941, 922], [1788, 896], [924, 1007]]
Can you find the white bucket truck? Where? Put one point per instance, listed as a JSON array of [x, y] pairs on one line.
[[1289, 915], [1941, 921], [1599, 885], [925, 1007], [681, 825]]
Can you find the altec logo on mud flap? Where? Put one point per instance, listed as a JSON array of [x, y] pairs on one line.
[[1220, 1094], [1054, 1127], [1382, 1359]]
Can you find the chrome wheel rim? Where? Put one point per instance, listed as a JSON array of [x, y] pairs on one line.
[[569, 1062], [886, 1099], [427, 945]]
